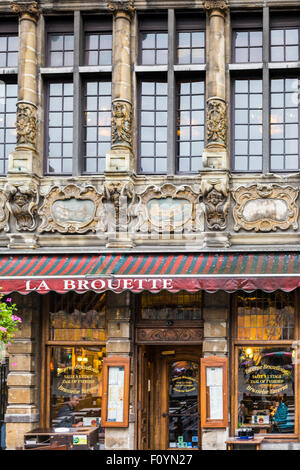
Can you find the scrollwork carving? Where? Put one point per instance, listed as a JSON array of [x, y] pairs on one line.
[[221, 5], [72, 209], [29, 8], [168, 209], [121, 196], [216, 199], [22, 201], [169, 335], [4, 212], [265, 208], [121, 5]]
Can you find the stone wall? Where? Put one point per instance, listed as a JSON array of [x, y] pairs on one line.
[[23, 379]]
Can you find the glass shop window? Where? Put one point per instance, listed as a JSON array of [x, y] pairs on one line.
[[167, 306], [76, 385], [77, 317], [262, 316], [266, 389]]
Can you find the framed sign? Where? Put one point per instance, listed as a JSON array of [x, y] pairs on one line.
[[115, 406], [214, 393]]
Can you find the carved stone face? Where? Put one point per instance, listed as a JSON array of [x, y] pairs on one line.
[[20, 199], [214, 198]]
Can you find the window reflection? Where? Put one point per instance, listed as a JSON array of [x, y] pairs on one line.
[[248, 46], [266, 389], [76, 386], [183, 404]]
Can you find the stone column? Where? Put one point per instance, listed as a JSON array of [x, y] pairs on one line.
[[215, 155], [24, 159], [119, 158], [22, 188], [215, 343], [120, 343], [22, 413]]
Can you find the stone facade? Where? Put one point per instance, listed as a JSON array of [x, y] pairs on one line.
[[120, 218]]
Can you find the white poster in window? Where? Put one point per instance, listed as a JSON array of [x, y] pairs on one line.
[[214, 376], [216, 402]]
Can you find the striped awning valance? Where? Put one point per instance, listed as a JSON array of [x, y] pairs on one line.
[[151, 271]]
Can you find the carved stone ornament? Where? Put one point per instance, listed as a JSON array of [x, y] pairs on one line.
[[121, 5], [26, 124], [210, 5], [121, 124], [4, 212], [216, 122], [26, 8], [216, 199], [168, 209], [121, 196], [72, 209], [22, 202], [265, 208]]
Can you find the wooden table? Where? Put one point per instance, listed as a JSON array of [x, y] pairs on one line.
[[257, 440]]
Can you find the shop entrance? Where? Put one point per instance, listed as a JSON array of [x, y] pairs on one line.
[[169, 397]]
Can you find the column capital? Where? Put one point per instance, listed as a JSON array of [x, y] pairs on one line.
[[220, 6], [29, 10], [126, 6]]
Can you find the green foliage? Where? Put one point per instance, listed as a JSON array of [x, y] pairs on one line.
[[9, 322]]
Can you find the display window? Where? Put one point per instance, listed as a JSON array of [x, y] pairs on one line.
[[265, 366], [266, 389], [74, 338], [76, 385]]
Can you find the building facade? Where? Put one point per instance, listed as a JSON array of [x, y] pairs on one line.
[[149, 230]]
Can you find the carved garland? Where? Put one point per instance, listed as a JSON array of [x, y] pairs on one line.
[[121, 124], [67, 219], [216, 122], [26, 124], [265, 208]]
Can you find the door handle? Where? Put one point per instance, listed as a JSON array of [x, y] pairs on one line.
[[164, 415]]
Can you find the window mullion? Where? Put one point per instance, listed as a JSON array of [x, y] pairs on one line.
[[77, 143], [266, 92], [171, 168]]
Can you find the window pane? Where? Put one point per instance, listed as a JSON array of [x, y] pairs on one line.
[[247, 131], [153, 127], [97, 112], [284, 128], [60, 127], [8, 102], [154, 48], [190, 125]]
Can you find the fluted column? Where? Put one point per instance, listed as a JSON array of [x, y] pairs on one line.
[[120, 156], [215, 155]]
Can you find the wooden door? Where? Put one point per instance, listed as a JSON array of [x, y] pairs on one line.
[[144, 398], [181, 400], [169, 394]]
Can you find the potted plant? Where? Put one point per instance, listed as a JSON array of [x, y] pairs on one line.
[[9, 324]]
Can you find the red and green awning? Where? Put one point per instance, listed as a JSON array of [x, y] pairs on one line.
[[153, 272]]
